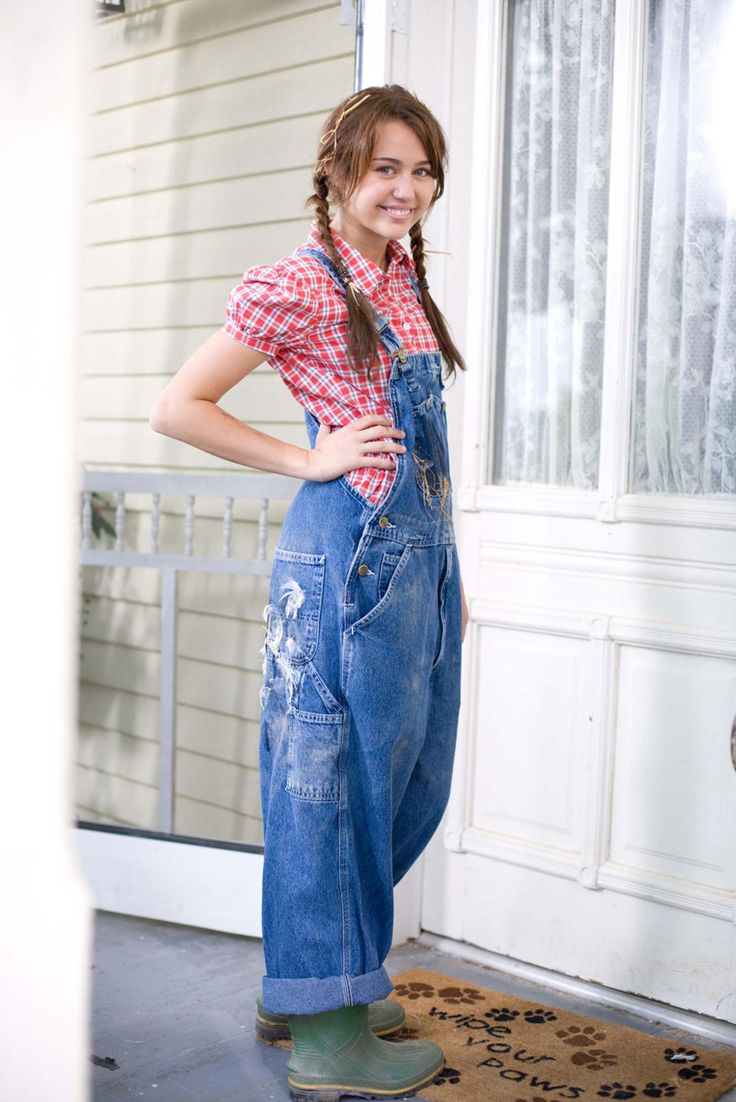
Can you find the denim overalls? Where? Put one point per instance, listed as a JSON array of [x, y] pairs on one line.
[[360, 700]]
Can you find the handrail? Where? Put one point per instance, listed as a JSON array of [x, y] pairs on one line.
[[229, 487]]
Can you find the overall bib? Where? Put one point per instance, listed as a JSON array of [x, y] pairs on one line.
[[360, 700]]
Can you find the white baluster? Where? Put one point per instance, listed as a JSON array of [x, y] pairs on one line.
[[119, 520], [262, 528], [189, 525], [227, 528], [155, 520], [86, 519]]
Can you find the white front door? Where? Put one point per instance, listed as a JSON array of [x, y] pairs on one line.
[[593, 819]]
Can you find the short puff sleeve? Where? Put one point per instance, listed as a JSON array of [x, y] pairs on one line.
[[272, 307]]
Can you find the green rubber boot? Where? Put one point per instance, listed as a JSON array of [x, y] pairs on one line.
[[385, 1017], [336, 1054]]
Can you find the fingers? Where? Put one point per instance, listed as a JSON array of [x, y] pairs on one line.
[[378, 432], [378, 446], [370, 419]]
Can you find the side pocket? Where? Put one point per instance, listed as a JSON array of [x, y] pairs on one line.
[[442, 630], [389, 563], [314, 750], [388, 572]]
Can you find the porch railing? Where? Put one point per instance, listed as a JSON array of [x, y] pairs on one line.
[[229, 489]]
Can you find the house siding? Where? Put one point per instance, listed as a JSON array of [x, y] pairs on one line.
[[203, 126]]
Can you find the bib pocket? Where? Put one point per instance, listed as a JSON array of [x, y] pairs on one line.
[[431, 453]]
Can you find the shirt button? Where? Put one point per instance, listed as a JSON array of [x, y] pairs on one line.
[[383, 522], [363, 569]]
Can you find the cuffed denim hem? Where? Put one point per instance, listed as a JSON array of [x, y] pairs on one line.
[[312, 996]]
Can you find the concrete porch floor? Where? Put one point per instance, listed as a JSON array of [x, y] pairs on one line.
[[174, 1007]]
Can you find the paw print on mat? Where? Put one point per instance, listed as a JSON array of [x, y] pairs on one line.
[[659, 1090], [680, 1055], [617, 1090], [697, 1073], [447, 1075], [594, 1059], [414, 990], [540, 1016], [502, 1014], [574, 1035], [460, 995]]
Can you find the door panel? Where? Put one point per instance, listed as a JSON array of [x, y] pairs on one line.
[[530, 751], [673, 809]]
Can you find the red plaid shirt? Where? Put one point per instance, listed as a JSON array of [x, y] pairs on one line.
[[293, 311]]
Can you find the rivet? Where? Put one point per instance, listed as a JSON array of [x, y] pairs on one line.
[[363, 569], [383, 522]]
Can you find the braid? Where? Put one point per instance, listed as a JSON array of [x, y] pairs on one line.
[[362, 336], [435, 318]]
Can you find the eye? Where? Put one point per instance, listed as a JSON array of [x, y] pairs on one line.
[[382, 167], [426, 171]]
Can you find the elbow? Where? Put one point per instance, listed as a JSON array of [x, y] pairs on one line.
[[160, 418]]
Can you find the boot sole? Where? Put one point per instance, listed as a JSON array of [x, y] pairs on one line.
[[333, 1092], [267, 1031]]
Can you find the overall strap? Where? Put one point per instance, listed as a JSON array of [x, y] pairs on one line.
[[390, 341]]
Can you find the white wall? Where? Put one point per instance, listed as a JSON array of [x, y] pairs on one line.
[[45, 917]]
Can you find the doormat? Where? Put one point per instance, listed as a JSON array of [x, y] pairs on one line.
[[499, 1048]]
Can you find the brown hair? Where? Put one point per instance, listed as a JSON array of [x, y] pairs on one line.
[[347, 141]]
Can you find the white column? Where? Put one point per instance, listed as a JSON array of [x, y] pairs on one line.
[[45, 916], [377, 20]]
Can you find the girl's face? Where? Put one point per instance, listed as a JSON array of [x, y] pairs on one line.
[[395, 192]]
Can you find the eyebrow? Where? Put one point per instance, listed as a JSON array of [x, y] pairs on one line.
[[394, 161]]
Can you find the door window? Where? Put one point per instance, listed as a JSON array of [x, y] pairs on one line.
[[685, 407], [554, 227], [553, 248]]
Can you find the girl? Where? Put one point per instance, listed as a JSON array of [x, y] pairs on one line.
[[366, 612]]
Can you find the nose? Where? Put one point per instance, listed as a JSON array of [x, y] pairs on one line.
[[403, 187]]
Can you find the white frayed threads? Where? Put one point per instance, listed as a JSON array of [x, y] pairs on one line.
[[274, 628], [294, 595]]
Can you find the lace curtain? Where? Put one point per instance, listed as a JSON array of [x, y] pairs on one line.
[[685, 418], [554, 232], [553, 250]]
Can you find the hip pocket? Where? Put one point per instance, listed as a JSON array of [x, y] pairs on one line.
[[314, 751], [297, 580]]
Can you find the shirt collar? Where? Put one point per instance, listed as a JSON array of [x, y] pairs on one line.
[[364, 272]]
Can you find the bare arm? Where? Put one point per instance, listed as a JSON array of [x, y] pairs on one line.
[[187, 410]]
